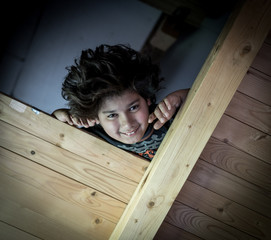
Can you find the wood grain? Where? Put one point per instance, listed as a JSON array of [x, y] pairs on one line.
[[8, 232], [66, 163], [47, 204], [72, 139], [168, 231], [239, 163], [62, 187], [250, 111], [256, 85], [262, 62], [231, 187], [203, 226], [244, 137], [224, 210]]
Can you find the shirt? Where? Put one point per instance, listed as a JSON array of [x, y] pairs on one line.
[[146, 148]]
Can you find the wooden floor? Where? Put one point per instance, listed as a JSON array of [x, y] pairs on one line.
[[228, 193]]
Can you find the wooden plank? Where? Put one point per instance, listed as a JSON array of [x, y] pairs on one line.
[[256, 85], [47, 204], [262, 62], [66, 163], [250, 111], [231, 187], [71, 138], [268, 38], [89, 198], [244, 137], [203, 226], [8, 232], [238, 163], [207, 100], [224, 210], [168, 231]]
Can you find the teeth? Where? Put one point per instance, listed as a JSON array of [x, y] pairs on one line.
[[130, 133]]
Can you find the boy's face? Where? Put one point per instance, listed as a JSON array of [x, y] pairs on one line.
[[125, 117]]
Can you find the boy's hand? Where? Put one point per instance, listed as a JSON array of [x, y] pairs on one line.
[[64, 116], [165, 110]]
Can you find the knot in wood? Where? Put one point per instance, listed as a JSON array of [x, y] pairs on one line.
[[246, 49], [61, 135], [151, 204], [97, 220], [220, 209]]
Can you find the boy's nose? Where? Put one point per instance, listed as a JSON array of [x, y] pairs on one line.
[[126, 121]]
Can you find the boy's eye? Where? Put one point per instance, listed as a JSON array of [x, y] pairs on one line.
[[134, 107], [111, 116]]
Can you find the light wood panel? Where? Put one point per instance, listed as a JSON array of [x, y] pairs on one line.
[[72, 139], [66, 163], [46, 204]]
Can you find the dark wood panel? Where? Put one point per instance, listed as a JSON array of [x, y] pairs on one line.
[[224, 210], [231, 187], [244, 137], [238, 163], [262, 61], [201, 225], [8, 232], [256, 85], [268, 38], [168, 232], [250, 111]]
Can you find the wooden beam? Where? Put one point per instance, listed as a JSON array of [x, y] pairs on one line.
[[208, 98]]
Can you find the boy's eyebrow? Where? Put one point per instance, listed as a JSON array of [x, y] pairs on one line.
[[133, 102], [128, 105]]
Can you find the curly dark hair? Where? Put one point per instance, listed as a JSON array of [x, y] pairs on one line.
[[108, 71]]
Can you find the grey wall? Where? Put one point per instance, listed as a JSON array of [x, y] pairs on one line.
[[50, 36]]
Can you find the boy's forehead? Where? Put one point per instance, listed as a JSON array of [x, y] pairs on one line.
[[124, 99]]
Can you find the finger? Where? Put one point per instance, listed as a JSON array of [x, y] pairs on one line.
[[159, 115], [163, 109], [76, 121], [69, 120], [167, 102], [158, 125], [86, 123], [91, 123], [152, 117]]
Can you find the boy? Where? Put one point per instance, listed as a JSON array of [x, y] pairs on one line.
[[112, 91]]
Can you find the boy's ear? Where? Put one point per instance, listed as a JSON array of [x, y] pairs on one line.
[[149, 102]]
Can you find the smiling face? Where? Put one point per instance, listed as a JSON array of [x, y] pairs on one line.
[[125, 117]]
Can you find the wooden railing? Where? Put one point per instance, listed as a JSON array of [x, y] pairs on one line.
[[58, 182]]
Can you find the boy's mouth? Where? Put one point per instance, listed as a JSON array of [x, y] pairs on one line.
[[130, 133]]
